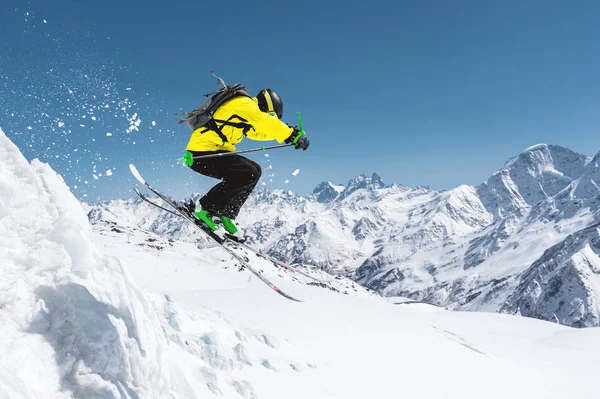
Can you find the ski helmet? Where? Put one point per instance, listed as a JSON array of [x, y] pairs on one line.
[[269, 101]]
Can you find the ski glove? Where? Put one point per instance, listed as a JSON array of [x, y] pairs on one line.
[[299, 139]]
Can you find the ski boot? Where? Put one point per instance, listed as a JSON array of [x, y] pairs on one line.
[[232, 231], [202, 218], [210, 223]]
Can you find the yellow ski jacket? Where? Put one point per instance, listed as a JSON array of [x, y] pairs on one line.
[[264, 127]]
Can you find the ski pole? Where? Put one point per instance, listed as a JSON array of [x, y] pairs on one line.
[[189, 158]]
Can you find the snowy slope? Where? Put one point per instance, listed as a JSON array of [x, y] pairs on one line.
[[232, 337], [125, 312], [465, 248], [72, 323]]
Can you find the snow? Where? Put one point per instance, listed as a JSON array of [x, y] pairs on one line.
[[295, 173], [121, 311], [241, 334], [337, 188], [72, 322], [536, 147]]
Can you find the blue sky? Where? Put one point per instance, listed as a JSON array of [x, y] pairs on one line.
[[422, 92]]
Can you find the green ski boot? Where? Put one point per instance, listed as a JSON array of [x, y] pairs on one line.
[[233, 231], [204, 217]]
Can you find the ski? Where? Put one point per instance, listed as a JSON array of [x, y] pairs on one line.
[[277, 262], [258, 252], [221, 241], [142, 196]]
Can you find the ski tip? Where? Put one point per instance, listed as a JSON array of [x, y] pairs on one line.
[[136, 174]]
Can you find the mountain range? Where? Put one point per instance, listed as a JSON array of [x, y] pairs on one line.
[[526, 241]]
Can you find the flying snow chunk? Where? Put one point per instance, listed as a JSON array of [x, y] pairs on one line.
[[45, 21], [29, 128], [93, 118], [108, 134], [286, 182], [129, 88], [109, 172], [61, 124], [153, 123], [134, 123], [295, 173], [267, 155]]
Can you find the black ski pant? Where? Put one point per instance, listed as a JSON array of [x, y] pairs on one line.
[[238, 176]]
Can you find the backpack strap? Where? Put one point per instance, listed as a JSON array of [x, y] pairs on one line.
[[214, 126], [244, 124]]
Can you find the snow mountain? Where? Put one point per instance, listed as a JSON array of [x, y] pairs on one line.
[[468, 248], [115, 310]]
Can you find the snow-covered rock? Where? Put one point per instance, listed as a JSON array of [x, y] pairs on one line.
[[563, 284]]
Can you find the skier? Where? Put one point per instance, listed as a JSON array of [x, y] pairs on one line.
[[258, 118]]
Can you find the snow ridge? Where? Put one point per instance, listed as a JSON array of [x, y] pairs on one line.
[[72, 322]]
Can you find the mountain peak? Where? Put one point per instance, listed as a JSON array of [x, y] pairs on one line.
[[327, 191], [536, 147], [542, 158], [376, 179], [363, 182]]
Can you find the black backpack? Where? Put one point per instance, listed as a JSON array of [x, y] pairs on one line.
[[203, 116]]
